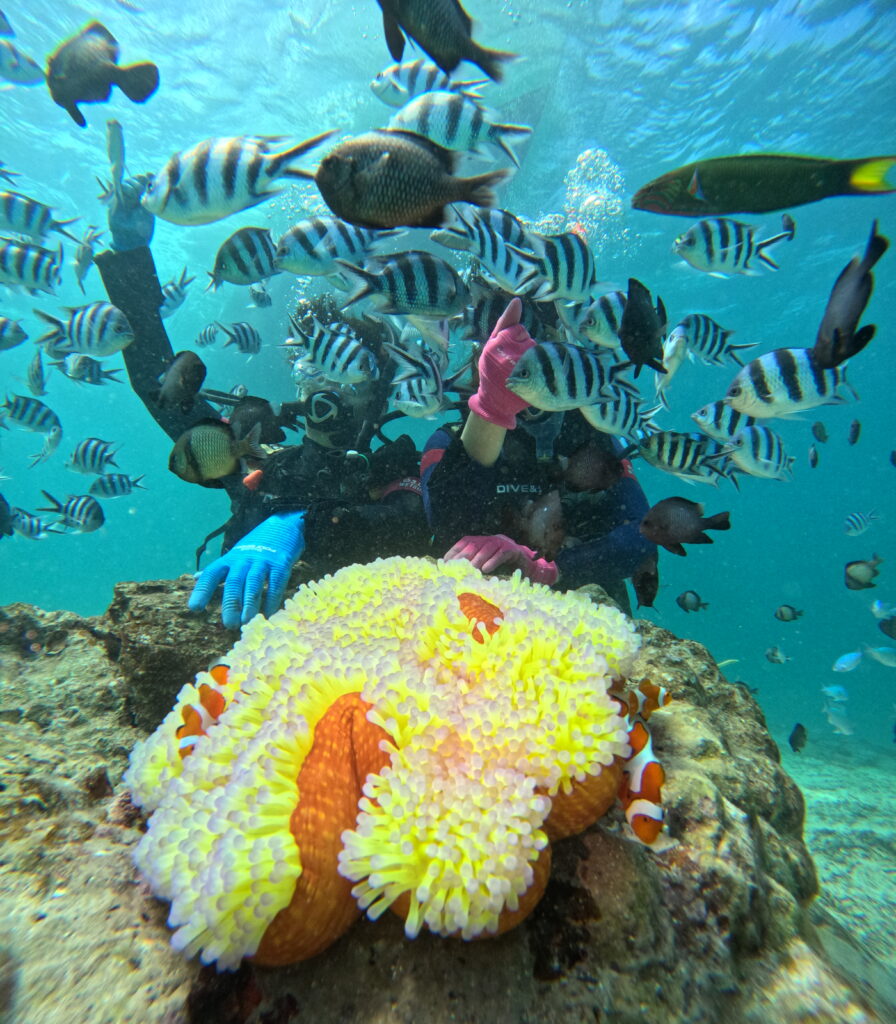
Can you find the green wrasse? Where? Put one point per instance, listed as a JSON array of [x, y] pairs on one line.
[[762, 182]]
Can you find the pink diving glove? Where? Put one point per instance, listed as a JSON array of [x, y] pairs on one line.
[[503, 350], [488, 553]]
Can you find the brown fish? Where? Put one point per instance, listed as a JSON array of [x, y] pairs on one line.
[[859, 575], [887, 626], [443, 30], [646, 582], [839, 335], [389, 179], [541, 524], [798, 738], [84, 68], [673, 522], [592, 467], [181, 382], [643, 328]]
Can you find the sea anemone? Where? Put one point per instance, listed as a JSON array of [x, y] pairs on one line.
[[406, 734]]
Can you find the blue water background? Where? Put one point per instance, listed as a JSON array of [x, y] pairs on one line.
[[653, 85]]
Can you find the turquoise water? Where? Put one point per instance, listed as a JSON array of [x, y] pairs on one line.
[[649, 86]]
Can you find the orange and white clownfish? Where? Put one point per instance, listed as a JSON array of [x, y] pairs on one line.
[[644, 700], [483, 614], [199, 718], [642, 783]]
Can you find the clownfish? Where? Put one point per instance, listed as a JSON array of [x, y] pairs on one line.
[[644, 700], [483, 614], [199, 718], [642, 784]]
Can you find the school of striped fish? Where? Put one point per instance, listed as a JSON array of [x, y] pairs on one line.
[[421, 259]]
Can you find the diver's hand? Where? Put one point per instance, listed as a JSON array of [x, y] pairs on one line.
[[509, 340], [130, 225], [491, 552], [264, 555]]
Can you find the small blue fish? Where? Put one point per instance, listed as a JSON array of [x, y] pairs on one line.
[[837, 693], [847, 662], [884, 655], [882, 610]]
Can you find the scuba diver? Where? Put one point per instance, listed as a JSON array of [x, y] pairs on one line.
[[542, 492], [330, 499]]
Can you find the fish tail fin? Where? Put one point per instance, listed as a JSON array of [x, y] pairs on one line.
[[734, 349], [491, 61], [213, 283], [138, 81], [365, 283], [478, 190], [55, 334], [60, 225], [497, 134], [277, 162], [876, 175], [877, 246], [786, 235], [136, 482], [720, 521]]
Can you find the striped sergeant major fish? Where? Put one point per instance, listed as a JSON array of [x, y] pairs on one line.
[[244, 258], [399, 83], [311, 247], [760, 452], [595, 321], [115, 485], [222, 176], [489, 235], [207, 336], [244, 336], [413, 397], [336, 350], [22, 215], [174, 293], [93, 456], [32, 527], [720, 246], [85, 370], [98, 329], [479, 319], [556, 376], [412, 282], [51, 443], [260, 296], [623, 416], [687, 456], [29, 414], [80, 513], [720, 422], [786, 381], [856, 523], [708, 340], [564, 267], [456, 122], [37, 383], [12, 333], [23, 265]]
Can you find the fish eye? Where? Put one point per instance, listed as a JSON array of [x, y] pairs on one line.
[[589, 321]]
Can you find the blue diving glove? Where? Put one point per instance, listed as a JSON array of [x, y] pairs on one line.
[[265, 554]]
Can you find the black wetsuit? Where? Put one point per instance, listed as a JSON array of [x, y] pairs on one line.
[[343, 523], [463, 497]]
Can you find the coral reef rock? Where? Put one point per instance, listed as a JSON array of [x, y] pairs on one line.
[[713, 927]]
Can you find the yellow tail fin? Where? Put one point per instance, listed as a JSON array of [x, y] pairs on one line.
[[871, 175]]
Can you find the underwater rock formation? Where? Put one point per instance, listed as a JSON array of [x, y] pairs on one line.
[[714, 927]]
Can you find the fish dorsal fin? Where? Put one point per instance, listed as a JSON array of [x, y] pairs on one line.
[[445, 157]]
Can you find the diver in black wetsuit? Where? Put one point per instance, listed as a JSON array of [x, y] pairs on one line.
[[485, 488], [330, 499]]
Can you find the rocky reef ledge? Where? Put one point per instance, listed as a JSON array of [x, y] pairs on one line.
[[718, 926]]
